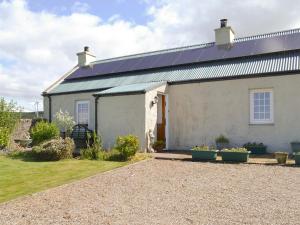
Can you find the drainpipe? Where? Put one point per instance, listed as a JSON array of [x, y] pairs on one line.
[[96, 113], [50, 105]]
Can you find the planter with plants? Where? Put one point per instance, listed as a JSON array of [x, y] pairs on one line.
[[222, 142], [295, 146], [297, 158], [159, 146], [281, 157], [203, 153], [235, 155], [256, 148]]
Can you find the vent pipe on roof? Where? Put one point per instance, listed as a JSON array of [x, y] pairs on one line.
[[85, 57], [225, 34]]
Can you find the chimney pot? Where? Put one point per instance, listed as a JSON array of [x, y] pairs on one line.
[[86, 49], [223, 22]]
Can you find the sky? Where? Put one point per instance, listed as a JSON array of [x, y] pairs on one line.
[[39, 39]]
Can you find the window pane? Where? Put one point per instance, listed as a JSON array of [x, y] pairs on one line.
[[267, 116], [261, 95], [256, 109], [267, 95], [267, 109], [256, 96], [256, 116]]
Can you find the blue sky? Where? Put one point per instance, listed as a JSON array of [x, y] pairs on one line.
[[131, 10], [39, 39]]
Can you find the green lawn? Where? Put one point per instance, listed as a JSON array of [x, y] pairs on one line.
[[18, 177]]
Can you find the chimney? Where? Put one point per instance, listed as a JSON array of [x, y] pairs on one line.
[[85, 57], [224, 35]]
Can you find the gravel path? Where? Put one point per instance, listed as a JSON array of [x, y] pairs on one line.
[[168, 192]]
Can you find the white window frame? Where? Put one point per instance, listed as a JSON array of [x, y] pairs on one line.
[[261, 121], [82, 102]]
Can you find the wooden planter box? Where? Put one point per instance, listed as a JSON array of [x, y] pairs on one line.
[[295, 146], [297, 160], [257, 150], [235, 156], [204, 155]]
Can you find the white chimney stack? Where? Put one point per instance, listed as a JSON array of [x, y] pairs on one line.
[[224, 35], [85, 57]]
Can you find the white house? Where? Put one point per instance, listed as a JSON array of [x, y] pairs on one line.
[[245, 88]]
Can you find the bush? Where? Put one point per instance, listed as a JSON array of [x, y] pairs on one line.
[[9, 117], [254, 145], [112, 155], [93, 150], [159, 145], [127, 145], [54, 150], [4, 137], [222, 139], [64, 121], [43, 131]]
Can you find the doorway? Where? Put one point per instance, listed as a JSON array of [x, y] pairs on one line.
[[161, 118]]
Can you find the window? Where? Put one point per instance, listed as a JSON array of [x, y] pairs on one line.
[[82, 112], [261, 106]]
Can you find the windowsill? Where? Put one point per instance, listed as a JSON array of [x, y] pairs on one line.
[[261, 124]]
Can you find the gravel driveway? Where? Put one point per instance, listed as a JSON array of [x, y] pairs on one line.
[[168, 192]]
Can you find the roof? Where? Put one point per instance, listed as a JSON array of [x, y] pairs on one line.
[[254, 65], [138, 88], [242, 47], [258, 55]]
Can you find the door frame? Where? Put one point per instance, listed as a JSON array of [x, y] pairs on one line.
[[166, 118]]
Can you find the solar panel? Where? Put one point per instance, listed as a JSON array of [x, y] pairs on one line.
[[292, 42], [128, 65], [166, 59], [188, 56], [269, 45]]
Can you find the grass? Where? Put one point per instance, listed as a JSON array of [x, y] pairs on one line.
[[21, 176]]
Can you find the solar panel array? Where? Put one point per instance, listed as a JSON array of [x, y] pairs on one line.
[[190, 56]]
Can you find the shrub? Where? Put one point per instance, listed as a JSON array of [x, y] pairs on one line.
[[93, 150], [4, 137], [9, 117], [222, 139], [254, 145], [127, 145], [43, 131], [159, 145], [112, 155], [64, 121], [236, 150], [54, 150]]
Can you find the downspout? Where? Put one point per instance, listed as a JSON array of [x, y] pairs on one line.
[[96, 113], [44, 94], [50, 108]]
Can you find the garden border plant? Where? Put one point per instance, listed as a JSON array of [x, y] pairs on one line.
[[256, 148]]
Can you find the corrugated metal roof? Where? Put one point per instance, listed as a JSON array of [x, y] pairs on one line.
[[131, 88], [258, 65]]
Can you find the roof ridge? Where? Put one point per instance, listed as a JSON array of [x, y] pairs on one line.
[[203, 45]]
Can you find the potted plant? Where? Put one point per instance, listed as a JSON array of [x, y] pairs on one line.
[[203, 153], [256, 148], [235, 155], [222, 142], [159, 145], [295, 145], [297, 158], [281, 157]]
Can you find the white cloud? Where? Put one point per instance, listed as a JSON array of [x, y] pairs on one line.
[[38, 47]]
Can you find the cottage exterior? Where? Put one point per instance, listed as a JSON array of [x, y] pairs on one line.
[[245, 88]]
